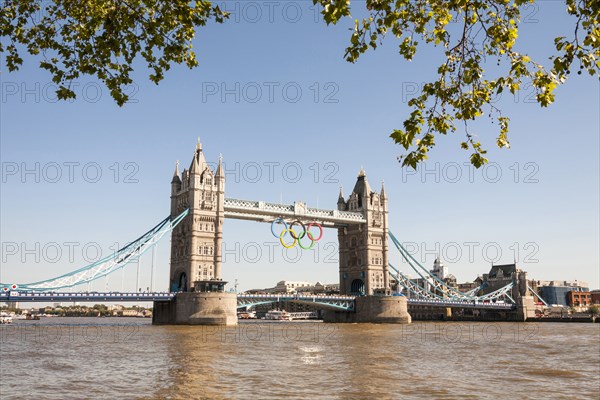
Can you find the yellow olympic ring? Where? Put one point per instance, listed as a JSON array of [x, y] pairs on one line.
[[283, 232]]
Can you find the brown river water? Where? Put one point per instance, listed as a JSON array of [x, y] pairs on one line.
[[127, 358]]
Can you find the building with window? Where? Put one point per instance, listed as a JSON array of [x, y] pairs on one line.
[[577, 298], [439, 269], [556, 292]]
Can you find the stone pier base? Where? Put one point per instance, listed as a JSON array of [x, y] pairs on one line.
[[525, 308], [197, 308], [376, 309]]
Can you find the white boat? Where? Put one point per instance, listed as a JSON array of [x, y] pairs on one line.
[[247, 315], [278, 315], [5, 318]]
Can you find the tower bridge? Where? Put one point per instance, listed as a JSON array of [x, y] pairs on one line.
[[196, 260], [196, 290]]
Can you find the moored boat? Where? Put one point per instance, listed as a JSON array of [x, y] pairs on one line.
[[5, 318], [278, 315]]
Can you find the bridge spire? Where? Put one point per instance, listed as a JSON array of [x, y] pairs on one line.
[[341, 195], [198, 162], [362, 187], [194, 165], [383, 190], [220, 171], [176, 174]]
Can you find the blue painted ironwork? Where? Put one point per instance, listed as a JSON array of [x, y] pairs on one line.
[[340, 303], [336, 302], [84, 296], [447, 292], [107, 265]]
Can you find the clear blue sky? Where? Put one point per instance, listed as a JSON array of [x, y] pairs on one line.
[[545, 203]]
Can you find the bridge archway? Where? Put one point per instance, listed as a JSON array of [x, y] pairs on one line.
[[182, 282], [357, 287]]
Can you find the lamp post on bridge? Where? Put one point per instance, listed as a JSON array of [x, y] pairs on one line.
[[137, 277]]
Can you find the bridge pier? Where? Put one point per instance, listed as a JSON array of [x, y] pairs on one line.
[[197, 308], [375, 309], [525, 308]]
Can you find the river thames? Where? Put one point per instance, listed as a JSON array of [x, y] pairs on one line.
[[127, 358]]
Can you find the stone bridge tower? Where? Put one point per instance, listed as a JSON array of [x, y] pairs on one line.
[[364, 248], [196, 241]]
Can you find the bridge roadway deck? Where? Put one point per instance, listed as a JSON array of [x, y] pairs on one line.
[[84, 296], [248, 298]]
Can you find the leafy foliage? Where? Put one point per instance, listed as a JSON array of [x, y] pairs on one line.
[[103, 37], [462, 91]]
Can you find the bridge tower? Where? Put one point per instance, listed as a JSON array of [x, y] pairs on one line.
[[364, 248], [196, 249], [196, 241]]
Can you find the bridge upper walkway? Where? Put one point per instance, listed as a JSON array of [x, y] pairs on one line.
[[266, 212]]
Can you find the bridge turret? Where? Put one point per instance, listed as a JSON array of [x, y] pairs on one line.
[[220, 175], [220, 217], [384, 238], [341, 203], [362, 189], [176, 181]]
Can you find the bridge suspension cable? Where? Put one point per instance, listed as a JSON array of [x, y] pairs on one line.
[[438, 285], [107, 265], [411, 286], [537, 295], [433, 280]]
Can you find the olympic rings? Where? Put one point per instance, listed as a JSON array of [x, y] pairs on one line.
[[297, 237]]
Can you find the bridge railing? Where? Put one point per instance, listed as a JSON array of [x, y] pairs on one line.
[[245, 209], [294, 296], [83, 296], [466, 303]]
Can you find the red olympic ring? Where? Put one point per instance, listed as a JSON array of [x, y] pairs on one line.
[[310, 236]]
